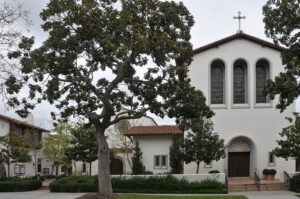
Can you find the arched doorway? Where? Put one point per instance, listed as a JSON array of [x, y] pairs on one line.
[[240, 157], [116, 167]]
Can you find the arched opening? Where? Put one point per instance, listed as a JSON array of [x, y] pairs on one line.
[[262, 75], [241, 162], [240, 82], [217, 78], [116, 167]]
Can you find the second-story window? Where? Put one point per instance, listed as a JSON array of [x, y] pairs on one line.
[[217, 77], [240, 82]]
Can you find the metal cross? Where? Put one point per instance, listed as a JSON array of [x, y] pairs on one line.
[[239, 18]]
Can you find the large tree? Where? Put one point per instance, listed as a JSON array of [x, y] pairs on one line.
[[103, 55], [83, 145], [289, 146], [282, 23], [13, 149], [201, 144]]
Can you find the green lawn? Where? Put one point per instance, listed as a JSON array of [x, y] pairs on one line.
[[131, 196]]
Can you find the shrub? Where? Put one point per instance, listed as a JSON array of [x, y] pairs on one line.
[[138, 184], [295, 183], [11, 185], [214, 171], [266, 172], [272, 172]]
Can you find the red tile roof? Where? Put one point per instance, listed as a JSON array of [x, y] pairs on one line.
[[154, 130], [240, 35], [22, 123]]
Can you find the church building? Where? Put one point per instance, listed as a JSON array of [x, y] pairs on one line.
[[231, 73]]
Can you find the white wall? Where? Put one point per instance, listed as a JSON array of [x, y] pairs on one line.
[[261, 125], [154, 145]]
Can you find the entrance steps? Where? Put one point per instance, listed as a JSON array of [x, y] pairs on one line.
[[246, 184]]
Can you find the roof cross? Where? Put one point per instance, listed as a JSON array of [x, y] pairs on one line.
[[239, 17]]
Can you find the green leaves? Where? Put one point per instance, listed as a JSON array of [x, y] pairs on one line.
[[289, 146], [201, 144], [282, 22]]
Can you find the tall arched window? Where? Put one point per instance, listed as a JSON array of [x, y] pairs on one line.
[[262, 75], [217, 74], [240, 82]]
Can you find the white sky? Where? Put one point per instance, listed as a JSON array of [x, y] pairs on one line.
[[213, 21]]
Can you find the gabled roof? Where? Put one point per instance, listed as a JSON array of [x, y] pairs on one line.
[[239, 35], [154, 130], [22, 123]]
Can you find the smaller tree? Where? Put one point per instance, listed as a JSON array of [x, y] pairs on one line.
[[289, 147], [83, 145], [55, 146], [137, 165], [176, 156], [119, 140], [201, 144], [13, 149]]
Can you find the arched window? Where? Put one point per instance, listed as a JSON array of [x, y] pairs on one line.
[[262, 75], [240, 82], [217, 74]]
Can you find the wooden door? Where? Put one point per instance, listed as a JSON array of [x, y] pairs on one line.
[[238, 164], [116, 167]]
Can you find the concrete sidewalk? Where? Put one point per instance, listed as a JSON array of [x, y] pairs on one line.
[[39, 194], [268, 195], [45, 194]]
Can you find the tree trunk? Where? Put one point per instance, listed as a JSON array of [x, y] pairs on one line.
[[198, 163], [90, 168], [105, 188]]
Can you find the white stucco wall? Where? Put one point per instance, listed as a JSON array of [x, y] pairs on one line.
[[154, 145], [261, 125]]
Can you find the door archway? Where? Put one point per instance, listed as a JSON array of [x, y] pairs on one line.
[[240, 157], [116, 167]]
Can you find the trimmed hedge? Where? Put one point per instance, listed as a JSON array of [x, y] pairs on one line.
[[295, 183], [152, 184], [14, 185]]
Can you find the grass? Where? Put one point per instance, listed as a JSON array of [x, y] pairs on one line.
[[132, 196]]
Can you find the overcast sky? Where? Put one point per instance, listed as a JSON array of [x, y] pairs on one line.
[[213, 21]]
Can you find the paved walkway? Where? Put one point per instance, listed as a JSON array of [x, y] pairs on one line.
[[268, 195], [45, 194], [39, 194]]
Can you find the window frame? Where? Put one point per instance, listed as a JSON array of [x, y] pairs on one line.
[[269, 103], [274, 159], [245, 105], [160, 166], [217, 106]]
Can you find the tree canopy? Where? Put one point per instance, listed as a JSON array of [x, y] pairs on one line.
[[201, 144], [13, 149], [289, 146], [10, 15], [282, 22], [104, 55], [83, 145]]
